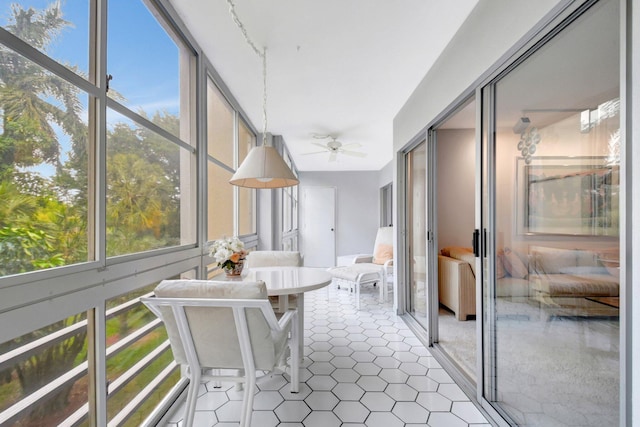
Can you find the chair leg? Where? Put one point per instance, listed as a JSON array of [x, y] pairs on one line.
[[357, 286], [192, 397], [247, 400]]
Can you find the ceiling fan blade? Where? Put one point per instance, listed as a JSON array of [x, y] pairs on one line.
[[333, 156], [314, 152], [320, 145], [353, 153]]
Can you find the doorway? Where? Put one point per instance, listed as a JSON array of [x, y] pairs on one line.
[[319, 226], [455, 199]]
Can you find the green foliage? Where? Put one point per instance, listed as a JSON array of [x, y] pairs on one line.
[[44, 220]]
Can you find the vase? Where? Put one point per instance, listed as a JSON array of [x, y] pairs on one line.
[[234, 269]]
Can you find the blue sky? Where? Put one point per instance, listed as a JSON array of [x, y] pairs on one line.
[[141, 57]]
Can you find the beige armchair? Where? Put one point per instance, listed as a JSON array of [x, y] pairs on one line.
[[225, 331], [382, 252]]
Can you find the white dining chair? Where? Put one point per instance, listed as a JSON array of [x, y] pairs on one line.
[[257, 259], [226, 331]]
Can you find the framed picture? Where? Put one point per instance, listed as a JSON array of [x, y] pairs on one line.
[[567, 196]]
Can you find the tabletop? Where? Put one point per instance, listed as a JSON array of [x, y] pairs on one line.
[[288, 280]]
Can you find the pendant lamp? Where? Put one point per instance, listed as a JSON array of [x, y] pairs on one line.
[[263, 167]]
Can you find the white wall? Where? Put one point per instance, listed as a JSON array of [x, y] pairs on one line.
[[491, 29], [357, 208], [385, 176]]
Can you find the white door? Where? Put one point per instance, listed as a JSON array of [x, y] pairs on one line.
[[319, 227]]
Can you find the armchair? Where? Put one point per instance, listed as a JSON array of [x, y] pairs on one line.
[[225, 327], [374, 268]]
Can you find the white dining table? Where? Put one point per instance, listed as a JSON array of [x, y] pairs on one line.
[[285, 281]]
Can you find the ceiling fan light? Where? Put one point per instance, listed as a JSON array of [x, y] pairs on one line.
[[263, 168]]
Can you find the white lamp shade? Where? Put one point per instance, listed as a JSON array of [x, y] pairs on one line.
[[263, 168]]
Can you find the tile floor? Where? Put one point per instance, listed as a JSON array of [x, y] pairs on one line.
[[361, 368]]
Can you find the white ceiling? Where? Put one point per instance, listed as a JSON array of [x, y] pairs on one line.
[[340, 67]]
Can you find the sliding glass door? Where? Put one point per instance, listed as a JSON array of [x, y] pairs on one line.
[[551, 317], [416, 170]]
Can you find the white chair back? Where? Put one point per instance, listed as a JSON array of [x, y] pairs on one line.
[[273, 259], [225, 325]]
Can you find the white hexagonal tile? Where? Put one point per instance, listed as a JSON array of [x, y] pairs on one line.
[[453, 392], [320, 337], [338, 333], [211, 401], [321, 368], [433, 401], [413, 368], [468, 412], [367, 368], [394, 376], [345, 375], [372, 333], [321, 356], [362, 356], [320, 346], [351, 412], [405, 356], [321, 401], [322, 419], [292, 411], [383, 419], [387, 362], [267, 400], [377, 401], [445, 419], [348, 391], [372, 383], [230, 411], [339, 342], [381, 351], [321, 382], [411, 412], [359, 346], [439, 375], [401, 392], [264, 419], [341, 351], [378, 342], [343, 362]]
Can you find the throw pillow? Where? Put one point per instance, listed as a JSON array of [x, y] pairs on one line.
[[500, 270], [513, 264], [383, 254]]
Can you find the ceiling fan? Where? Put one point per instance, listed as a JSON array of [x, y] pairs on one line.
[[335, 147]]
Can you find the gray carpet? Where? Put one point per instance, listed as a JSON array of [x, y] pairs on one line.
[[553, 369]]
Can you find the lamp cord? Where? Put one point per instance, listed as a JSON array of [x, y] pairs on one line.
[[263, 55]]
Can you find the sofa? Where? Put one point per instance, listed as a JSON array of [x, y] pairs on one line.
[[558, 272], [457, 279], [541, 274]]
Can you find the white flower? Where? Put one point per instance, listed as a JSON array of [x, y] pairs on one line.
[[221, 250]]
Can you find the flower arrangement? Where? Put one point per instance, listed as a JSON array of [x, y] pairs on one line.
[[229, 253]]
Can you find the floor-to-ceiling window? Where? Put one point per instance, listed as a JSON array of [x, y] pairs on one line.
[[552, 295], [99, 187]]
